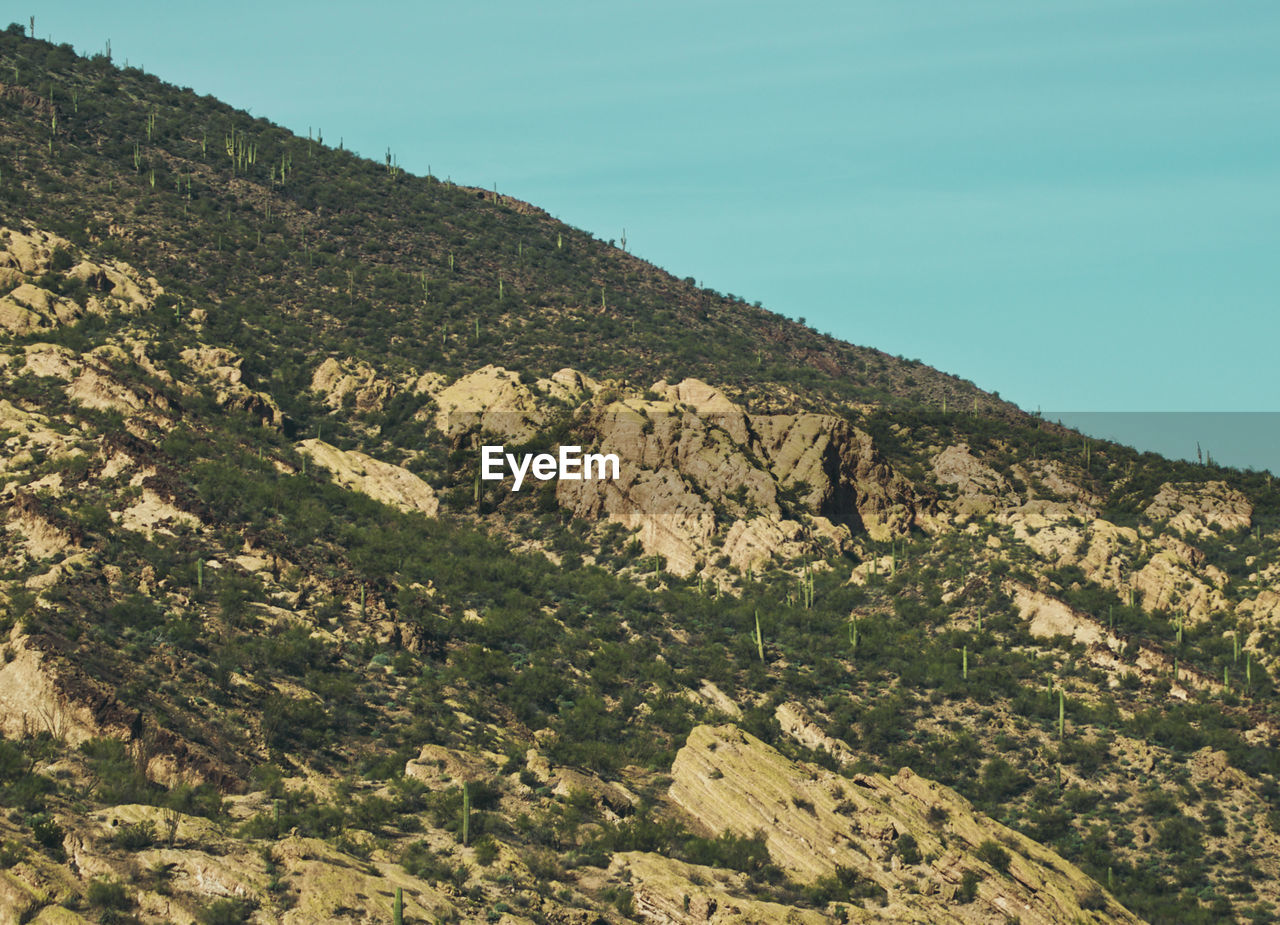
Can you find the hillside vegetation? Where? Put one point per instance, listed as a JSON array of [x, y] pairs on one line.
[[849, 640]]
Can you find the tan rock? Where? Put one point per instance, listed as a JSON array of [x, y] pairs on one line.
[[717, 699], [152, 514], [568, 386], [492, 399], [336, 380], [670, 892], [681, 469], [27, 307], [815, 821], [980, 488], [437, 765], [223, 367], [1050, 617], [795, 721], [385, 482], [33, 532], [1166, 582], [1265, 608], [1204, 508], [32, 700]]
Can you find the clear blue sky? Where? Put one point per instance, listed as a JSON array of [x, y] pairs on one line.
[[1075, 204]]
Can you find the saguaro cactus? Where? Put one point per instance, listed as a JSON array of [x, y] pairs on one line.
[[397, 908], [759, 638], [466, 815]]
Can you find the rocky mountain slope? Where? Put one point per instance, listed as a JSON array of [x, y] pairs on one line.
[[848, 639]]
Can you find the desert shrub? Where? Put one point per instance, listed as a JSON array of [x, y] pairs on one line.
[[908, 850], [994, 853], [49, 835], [224, 912], [135, 836], [486, 850], [108, 894]]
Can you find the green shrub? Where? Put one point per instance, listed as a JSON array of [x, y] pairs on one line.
[[224, 912], [993, 853], [49, 835], [486, 850], [908, 850], [135, 836], [108, 894]]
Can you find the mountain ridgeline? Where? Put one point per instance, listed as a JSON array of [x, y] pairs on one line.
[[848, 639]]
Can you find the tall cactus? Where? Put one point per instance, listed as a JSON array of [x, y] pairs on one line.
[[466, 815], [397, 908], [759, 638]]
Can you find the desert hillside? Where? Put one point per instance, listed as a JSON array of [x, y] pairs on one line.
[[847, 639]]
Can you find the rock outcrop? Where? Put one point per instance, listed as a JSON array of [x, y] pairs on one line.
[[30, 258], [335, 381], [222, 368], [979, 488], [670, 892], [775, 487], [390, 484], [492, 400], [816, 822], [1203, 509]]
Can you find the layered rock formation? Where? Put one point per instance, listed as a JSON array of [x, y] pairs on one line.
[[816, 823]]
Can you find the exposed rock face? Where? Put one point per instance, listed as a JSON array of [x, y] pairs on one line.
[[796, 722], [153, 514], [32, 701], [91, 378], [1051, 617], [1168, 582], [26, 307], [816, 821], [381, 481], [846, 477], [436, 764], [1202, 509], [1264, 608], [693, 464], [492, 399], [670, 892], [223, 367], [33, 532], [1103, 551], [337, 380], [980, 487]]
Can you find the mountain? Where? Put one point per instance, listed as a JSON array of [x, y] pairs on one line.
[[846, 638]]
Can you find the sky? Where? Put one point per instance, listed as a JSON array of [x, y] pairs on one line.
[[1074, 204]]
